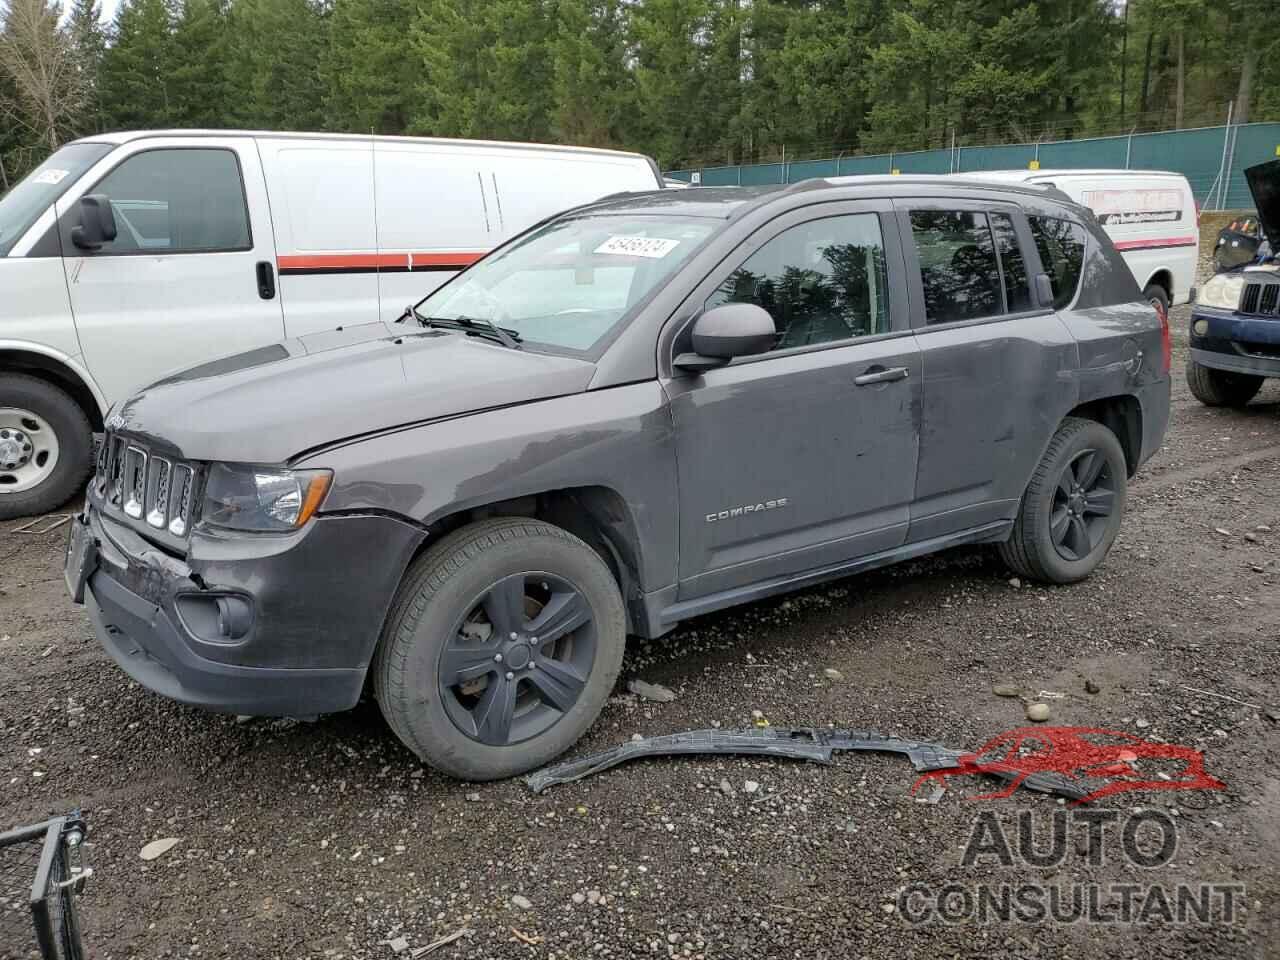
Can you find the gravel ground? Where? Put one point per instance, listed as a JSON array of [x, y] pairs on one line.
[[329, 840]]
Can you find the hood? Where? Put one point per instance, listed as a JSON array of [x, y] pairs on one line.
[[1264, 184], [270, 404]]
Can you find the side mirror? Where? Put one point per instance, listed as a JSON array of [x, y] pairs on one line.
[[1044, 290], [727, 331], [97, 223]]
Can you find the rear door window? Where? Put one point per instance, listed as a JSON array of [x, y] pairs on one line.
[[1061, 246], [958, 265]]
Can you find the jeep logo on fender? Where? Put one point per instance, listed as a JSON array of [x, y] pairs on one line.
[[749, 508]]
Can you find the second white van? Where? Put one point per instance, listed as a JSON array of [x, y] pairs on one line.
[[126, 256], [1151, 216]]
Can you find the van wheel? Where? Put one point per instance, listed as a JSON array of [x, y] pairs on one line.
[[1221, 388], [1157, 296], [1072, 508], [504, 641], [46, 447]]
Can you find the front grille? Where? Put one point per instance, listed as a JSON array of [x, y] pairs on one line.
[[147, 487], [1261, 298]]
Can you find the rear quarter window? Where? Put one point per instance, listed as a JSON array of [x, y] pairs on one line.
[[1061, 246]]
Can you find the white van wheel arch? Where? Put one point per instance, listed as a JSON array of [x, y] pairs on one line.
[[28, 449]]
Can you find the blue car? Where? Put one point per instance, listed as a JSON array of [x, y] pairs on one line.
[[1235, 322]]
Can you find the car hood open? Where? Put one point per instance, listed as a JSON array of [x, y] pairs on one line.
[[273, 403], [1264, 184]]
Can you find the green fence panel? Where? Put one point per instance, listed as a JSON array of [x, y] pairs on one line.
[[1254, 143], [722, 176], [863, 166], [760, 174], [1196, 154], [1010, 157], [1099, 153], [808, 169], [923, 161]]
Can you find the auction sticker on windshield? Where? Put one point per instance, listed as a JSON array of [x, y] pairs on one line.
[[51, 176], [652, 247]]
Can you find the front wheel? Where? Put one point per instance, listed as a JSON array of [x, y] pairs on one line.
[[502, 646], [1221, 388], [46, 446], [1072, 508]]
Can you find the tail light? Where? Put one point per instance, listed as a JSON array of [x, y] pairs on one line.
[[1166, 339]]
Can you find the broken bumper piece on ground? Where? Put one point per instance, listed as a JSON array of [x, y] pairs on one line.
[[798, 743]]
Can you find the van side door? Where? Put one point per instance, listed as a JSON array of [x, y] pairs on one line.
[[322, 206], [997, 365], [190, 274]]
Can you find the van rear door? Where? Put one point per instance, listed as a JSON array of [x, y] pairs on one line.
[[190, 274]]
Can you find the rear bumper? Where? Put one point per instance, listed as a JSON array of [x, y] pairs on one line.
[[1238, 344], [316, 599]]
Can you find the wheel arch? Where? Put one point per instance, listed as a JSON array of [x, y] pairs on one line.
[[58, 370], [1122, 415], [598, 515], [1161, 277]]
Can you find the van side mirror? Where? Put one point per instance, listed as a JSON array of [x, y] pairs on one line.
[[727, 331], [1044, 290], [97, 223]]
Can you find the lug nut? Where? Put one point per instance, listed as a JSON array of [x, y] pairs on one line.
[[510, 675], [514, 635], [497, 658]]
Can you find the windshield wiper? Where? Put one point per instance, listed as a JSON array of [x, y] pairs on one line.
[[472, 326]]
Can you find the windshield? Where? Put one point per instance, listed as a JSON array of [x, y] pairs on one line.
[[21, 206], [570, 283]]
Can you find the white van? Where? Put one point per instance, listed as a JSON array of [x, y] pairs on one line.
[[1151, 216], [128, 255]]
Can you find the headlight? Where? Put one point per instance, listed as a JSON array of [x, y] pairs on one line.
[[262, 499], [1222, 290]]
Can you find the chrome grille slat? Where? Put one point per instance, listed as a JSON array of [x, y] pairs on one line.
[[180, 499], [135, 481], [1249, 302], [1268, 301], [156, 491], [157, 502]]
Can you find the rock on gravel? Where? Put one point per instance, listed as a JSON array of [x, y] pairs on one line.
[[1038, 712], [651, 691], [158, 848]]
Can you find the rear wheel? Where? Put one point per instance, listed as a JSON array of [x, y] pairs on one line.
[[1158, 296], [503, 644], [1221, 388], [1072, 508], [46, 446]]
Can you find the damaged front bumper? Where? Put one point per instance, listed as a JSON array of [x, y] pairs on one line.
[[268, 626]]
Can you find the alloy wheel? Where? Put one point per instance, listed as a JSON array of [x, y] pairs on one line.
[[518, 660], [1082, 505]]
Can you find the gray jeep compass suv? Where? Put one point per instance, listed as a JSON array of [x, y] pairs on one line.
[[636, 412]]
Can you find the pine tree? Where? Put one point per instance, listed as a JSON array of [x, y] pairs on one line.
[[201, 92], [137, 68], [274, 64], [592, 85], [89, 38], [371, 71]]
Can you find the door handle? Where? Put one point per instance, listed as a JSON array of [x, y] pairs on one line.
[[881, 376], [266, 280]]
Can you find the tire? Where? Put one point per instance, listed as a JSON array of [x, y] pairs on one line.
[[1031, 550], [54, 411], [1221, 388], [440, 616], [1154, 293]]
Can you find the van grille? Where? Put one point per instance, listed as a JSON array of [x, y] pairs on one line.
[[147, 488], [1261, 298]]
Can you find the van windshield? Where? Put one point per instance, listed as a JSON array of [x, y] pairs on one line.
[[21, 206], [569, 284]]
